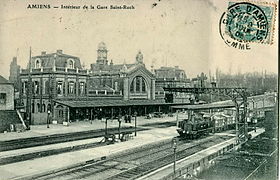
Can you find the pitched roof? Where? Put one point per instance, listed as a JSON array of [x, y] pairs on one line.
[[112, 103], [215, 105], [109, 68], [3, 80]]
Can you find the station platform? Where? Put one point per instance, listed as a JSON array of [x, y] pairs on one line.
[[34, 167], [42, 130], [183, 165]]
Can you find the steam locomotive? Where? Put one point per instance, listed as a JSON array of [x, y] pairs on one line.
[[197, 125], [200, 124]]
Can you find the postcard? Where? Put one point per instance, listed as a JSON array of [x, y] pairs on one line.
[[131, 89]]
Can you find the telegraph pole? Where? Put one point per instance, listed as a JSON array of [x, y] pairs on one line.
[[29, 93]]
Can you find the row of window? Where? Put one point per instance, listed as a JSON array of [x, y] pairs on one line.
[[70, 63], [37, 108], [60, 87]]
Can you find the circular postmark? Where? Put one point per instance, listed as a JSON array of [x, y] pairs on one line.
[[247, 22], [227, 38], [243, 23]]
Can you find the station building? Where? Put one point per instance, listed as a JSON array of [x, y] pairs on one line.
[[57, 85], [172, 77]]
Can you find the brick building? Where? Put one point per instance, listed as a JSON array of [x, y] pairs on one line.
[[56, 82]]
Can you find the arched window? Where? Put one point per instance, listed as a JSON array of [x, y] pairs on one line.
[[37, 63], [43, 108], [70, 63], [138, 84], [59, 111], [38, 107], [32, 108]]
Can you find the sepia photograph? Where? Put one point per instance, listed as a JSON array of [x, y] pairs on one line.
[[139, 90]]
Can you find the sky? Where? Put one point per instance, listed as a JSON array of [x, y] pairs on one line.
[[182, 33]]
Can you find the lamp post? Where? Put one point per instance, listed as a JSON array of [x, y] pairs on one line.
[[135, 115], [48, 118], [254, 115], [119, 120], [106, 127], [174, 146]]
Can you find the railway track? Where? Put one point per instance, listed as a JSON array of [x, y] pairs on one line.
[[135, 164], [67, 137], [59, 138]]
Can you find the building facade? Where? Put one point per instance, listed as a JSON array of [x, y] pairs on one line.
[[57, 83], [6, 94], [172, 77]]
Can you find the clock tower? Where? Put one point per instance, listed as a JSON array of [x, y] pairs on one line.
[[102, 54]]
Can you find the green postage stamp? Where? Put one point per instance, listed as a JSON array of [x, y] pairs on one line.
[[249, 21]]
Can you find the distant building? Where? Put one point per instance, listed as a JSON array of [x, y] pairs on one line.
[[172, 77], [14, 74], [200, 81], [6, 94]]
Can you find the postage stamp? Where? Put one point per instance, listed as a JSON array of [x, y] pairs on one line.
[[248, 22]]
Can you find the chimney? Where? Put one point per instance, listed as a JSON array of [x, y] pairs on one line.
[[15, 59], [43, 53], [59, 51]]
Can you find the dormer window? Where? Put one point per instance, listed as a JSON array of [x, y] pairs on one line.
[[37, 63], [70, 63]]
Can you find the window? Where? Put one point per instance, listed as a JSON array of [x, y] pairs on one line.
[[143, 85], [47, 87], [71, 88], [70, 63], [138, 79], [36, 87], [82, 88], [32, 108], [38, 107], [3, 98], [132, 86], [138, 85], [23, 87], [59, 88], [60, 111], [37, 64], [43, 108]]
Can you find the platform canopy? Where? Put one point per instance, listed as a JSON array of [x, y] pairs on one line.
[[215, 105], [111, 103]]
